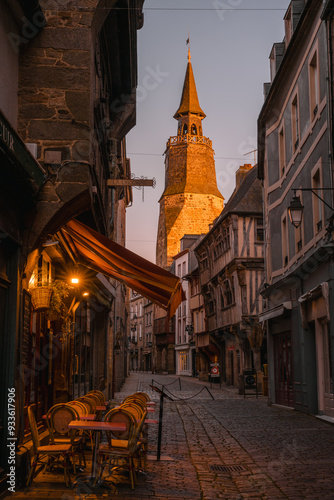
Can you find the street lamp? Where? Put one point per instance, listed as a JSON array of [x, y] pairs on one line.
[[296, 207], [295, 210]]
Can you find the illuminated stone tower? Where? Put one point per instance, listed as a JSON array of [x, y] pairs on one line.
[[191, 199]]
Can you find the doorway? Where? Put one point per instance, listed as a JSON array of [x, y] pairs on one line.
[[283, 369]]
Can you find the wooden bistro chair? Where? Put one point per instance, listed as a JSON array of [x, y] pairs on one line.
[[55, 452], [121, 452], [88, 404], [57, 419], [143, 395], [100, 396], [138, 412]]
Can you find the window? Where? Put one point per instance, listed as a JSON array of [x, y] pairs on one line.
[[179, 270], [298, 238], [197, 322], [222, 299], [298, 230], [193, 129], [281, 145], [194, 287], [185, 129], [314, 85], [202, 322], [295, 123], [259, 229], [209, 300], [184, 269], [285, 251], [228, 293], [204, 263], [317, 204], [224, 240]]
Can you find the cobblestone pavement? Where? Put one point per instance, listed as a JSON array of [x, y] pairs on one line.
[[223, 448]]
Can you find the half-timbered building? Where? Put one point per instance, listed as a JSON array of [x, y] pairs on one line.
[[231, 270]]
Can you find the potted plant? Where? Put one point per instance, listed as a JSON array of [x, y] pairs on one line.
[[58, 308]]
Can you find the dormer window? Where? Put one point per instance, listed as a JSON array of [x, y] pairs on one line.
[[193, 129]]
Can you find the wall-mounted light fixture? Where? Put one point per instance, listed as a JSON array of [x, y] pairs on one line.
[[296, 207]]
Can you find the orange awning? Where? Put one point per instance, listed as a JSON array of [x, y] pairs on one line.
[[95, 251]]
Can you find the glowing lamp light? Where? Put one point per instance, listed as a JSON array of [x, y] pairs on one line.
[[296, 211], [75, 281], [85, 294]]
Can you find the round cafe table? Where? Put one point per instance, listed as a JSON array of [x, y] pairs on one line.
[[97, 427]]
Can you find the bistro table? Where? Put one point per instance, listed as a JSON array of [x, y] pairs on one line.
[[88, 416], [101, 408], [97, 427]]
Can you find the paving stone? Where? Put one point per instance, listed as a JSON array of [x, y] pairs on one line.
[[283, 454]]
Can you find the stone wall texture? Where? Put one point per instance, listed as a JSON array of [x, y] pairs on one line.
[[191, 200]]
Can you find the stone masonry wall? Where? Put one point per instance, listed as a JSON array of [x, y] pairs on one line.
[[191, 200], [54, 110], [186, 213], [54, 85]]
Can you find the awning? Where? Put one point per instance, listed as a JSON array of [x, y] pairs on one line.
[[275, 312], [95, 251]]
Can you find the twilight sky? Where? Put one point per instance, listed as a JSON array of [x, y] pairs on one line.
[[230, 43]]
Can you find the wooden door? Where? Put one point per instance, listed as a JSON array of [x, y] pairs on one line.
[[283, 369]]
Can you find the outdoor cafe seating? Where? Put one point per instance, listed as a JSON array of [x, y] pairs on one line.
[[70, 424]]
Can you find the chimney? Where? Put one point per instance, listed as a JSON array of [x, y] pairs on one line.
[[241, 172]]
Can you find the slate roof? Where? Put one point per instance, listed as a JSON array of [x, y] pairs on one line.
[[189, 100], [247, 198]]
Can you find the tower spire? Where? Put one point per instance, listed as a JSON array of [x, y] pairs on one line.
[[188, 43], [189, 100]]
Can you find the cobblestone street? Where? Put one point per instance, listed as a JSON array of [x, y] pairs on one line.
[[227, 448]]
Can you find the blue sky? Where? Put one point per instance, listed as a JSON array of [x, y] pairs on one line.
[[230, 43]]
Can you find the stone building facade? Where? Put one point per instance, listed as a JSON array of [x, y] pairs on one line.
[[67, 95], [295, 144], [191, 200]]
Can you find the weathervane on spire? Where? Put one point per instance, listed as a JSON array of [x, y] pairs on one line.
[[188, 43]]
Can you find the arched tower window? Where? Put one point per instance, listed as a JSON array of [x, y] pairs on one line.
[[185, 129], [193, 129]]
